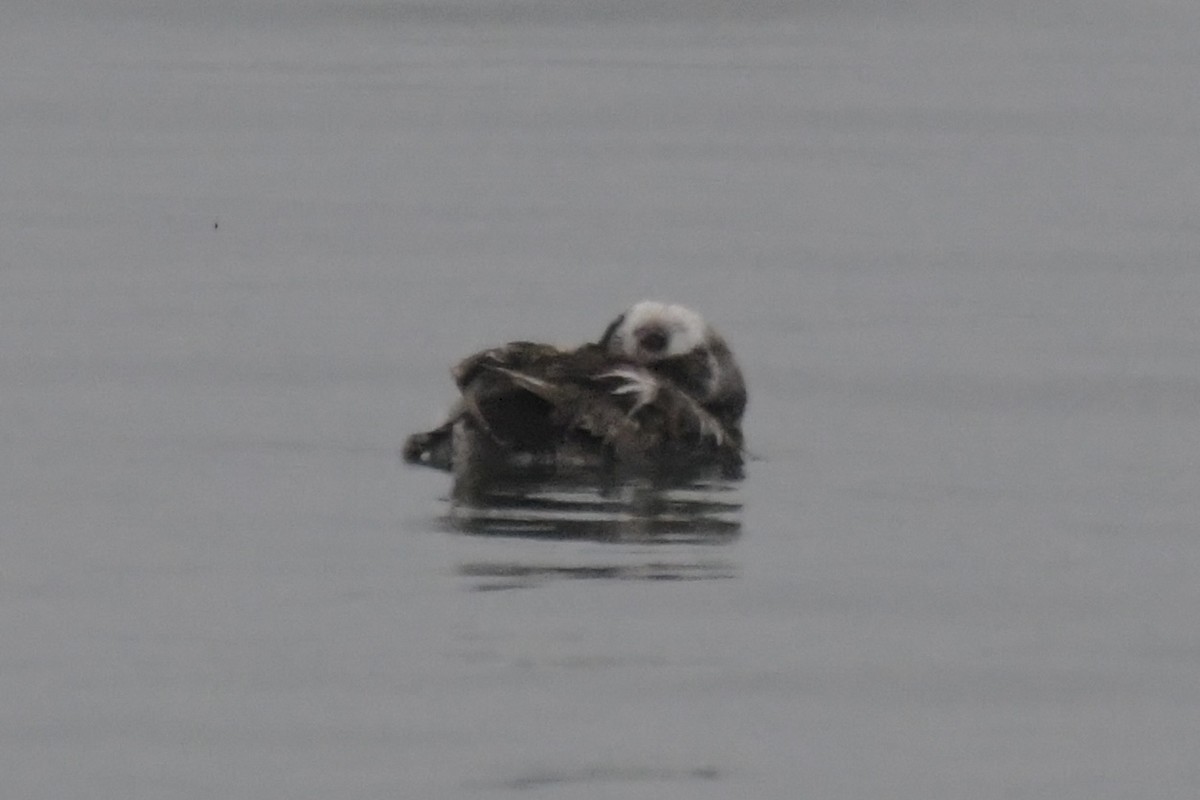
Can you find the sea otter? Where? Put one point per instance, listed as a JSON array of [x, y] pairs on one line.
[[660, 392]]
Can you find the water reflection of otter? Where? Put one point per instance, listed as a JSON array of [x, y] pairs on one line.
[[660, 396], [698, 513]]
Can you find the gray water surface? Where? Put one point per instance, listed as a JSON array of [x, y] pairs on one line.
[[955, 245]]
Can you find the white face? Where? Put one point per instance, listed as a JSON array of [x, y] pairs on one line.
[[653, 331]]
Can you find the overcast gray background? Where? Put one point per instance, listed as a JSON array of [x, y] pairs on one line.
[[956, 245]]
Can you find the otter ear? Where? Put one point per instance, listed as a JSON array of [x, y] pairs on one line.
[[610, 330]]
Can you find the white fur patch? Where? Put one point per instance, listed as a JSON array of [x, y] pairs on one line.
[[685, 329], [714, 374], [710, 428]]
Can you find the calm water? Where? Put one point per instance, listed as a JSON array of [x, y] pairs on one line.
[[955, 245]]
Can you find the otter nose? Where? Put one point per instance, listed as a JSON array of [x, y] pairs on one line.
[[651, 338]]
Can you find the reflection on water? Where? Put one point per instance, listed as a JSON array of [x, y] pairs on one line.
[[610, 774], [496, 576], [661, 523], [698, 512]]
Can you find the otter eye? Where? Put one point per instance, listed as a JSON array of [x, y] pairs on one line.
[[652, 339]]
